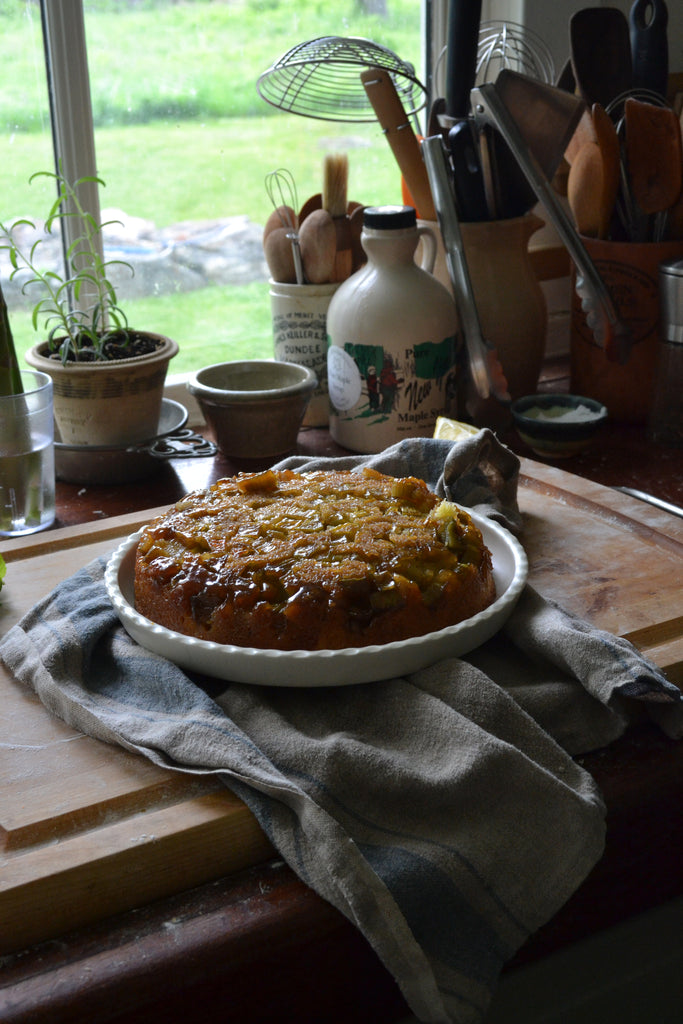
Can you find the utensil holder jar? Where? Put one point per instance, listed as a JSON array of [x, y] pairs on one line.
[[299, 314], [630, 271], [510, 301]]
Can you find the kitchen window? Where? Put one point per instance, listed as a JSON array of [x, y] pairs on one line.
[[184, 142]]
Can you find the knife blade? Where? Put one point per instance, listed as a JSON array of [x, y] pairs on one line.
[[650, 499]]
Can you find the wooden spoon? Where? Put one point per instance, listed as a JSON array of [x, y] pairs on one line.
[[318, 241], [281, 217], [314, 202], [585, 132], [585, 190], [279, 255]]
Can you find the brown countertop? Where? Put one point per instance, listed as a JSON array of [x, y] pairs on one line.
[[258, 945], [622, 456]]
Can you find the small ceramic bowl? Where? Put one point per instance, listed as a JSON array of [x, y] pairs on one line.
[[254, 406], [557, 426]]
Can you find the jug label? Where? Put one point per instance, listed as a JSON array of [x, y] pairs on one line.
[[375, 387], [344, 379]]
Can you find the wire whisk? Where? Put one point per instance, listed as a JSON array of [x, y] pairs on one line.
[[504, 44], [281, 189]]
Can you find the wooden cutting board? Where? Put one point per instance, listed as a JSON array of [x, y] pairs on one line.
[[88, 830]]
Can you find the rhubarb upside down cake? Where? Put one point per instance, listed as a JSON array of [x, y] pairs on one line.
[[312, 561]]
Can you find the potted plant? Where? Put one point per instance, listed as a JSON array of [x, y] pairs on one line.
[[108, 378]]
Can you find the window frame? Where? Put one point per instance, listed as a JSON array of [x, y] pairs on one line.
[[73, 133]]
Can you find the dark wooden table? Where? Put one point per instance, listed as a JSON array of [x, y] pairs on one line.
[[260, 946]]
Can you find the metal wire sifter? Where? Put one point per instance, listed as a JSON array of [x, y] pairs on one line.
[[321, 79]]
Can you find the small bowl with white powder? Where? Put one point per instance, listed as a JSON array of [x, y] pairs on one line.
[[557, 426]]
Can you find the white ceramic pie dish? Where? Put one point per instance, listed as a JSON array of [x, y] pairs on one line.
[[323, 668]]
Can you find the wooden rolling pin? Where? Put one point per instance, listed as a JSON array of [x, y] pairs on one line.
[[394, 122]]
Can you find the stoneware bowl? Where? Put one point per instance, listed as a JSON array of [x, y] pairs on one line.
[[254, 406], [557, 426]]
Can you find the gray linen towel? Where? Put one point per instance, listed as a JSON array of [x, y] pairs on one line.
[[434, 810]]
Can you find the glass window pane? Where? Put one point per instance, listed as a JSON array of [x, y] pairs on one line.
[[184, 143]]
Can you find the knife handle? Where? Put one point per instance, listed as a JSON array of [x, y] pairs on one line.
[[468, 177], [394, 122], [649, 45], [461, 54]]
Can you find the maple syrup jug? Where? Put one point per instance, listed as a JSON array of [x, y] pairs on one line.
[[392, 334]]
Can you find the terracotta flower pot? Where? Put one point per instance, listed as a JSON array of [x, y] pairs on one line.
[[117, 402]]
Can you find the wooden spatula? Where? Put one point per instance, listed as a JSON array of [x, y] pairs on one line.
[[674, 225], [600, 44], [653, 158]]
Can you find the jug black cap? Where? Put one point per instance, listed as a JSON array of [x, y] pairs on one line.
[[389, 217]]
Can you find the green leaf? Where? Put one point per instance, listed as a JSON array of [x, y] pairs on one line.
[[10, 376], [85, 265]]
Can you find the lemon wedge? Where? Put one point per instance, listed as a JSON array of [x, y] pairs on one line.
[[453, 430]]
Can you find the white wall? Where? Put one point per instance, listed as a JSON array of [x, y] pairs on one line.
[[551, 21]]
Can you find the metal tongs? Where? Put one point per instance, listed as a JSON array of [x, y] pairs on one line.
[[487, 374], [609, 331]]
